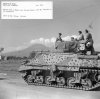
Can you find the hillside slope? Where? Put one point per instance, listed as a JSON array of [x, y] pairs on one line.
[[27, 51]]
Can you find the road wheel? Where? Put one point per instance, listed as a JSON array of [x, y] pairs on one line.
[[87, 83], [97, 78], [48, 80], [61, 81], [29, 79], [39, 79], [71, 82]]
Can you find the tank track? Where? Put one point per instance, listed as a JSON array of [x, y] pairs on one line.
[[93, 87], [67, 87]]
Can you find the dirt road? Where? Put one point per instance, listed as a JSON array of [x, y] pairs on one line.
[[16, 88], [12, 86]]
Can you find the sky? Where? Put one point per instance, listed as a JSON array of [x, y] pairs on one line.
[[69, 16]]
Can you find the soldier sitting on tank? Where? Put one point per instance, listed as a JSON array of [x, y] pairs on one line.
[[81, 45], [59, 38], [72, 39], [89, 42], [73, 44], [81, 36]]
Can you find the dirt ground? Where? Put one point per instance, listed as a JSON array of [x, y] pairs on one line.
[[12, 86]]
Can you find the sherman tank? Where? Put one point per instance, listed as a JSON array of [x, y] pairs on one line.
[[70, 65]]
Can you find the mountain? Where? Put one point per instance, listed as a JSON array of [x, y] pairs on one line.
[[27, 51]]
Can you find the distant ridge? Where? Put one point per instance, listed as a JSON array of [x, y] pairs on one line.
[[27, 51]]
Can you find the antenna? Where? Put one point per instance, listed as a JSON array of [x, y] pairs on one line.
[[90, 26]]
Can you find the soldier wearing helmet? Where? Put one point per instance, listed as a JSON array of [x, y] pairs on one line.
[[89, 41], [59, 38], [88, 36], [81, 36]]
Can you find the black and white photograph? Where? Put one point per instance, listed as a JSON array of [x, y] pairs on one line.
[[49, 49]]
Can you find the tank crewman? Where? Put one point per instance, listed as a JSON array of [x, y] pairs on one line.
[[81, 36], [89, 41], [72, 39], [88, 36], [59, 38]]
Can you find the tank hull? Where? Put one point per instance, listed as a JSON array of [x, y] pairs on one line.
[[63, 70]]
